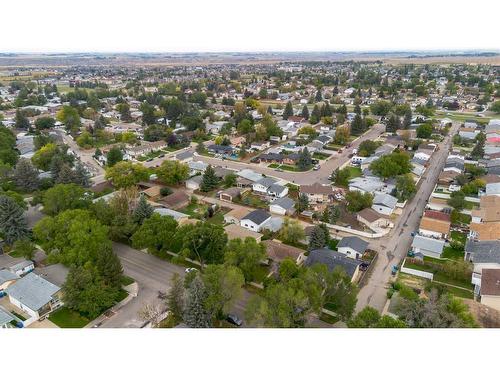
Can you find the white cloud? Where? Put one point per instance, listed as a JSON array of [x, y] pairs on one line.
[[225, 25]]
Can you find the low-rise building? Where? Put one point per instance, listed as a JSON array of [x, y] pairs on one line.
[[352, 246]]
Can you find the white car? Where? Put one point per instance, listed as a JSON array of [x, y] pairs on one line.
[[190, 269]]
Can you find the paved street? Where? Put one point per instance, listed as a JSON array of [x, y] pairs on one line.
[[301, 178], [152, 275], [393, 249]]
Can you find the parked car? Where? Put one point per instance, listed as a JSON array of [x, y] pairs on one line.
[[233, 319], [317, 167], [190, 269]]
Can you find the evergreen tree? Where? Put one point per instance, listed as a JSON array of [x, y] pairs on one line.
[[303, 203], [210, 180], [288, 110], [55, 167], [109, 267], [315, 115], [81, 176], [358, 125], [196, 314], [319, 96], [270, 110], [65, 175], [407, 119], [25, 176], [305, 160], [99, 123], [143, 210], [175, 297], [317, 239], [21, 121], [114, 156], [326, 110], [305, 112], [357, 109], [13, 225], [393, 124]]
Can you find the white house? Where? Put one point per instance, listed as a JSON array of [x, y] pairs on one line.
[[255, 220], [34, 295], [282, 206], [384, 204], [428, 246], [22, 268], [352, 246]]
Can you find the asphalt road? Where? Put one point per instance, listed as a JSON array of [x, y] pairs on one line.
[[394, 247], [152, 275], [301, 178]]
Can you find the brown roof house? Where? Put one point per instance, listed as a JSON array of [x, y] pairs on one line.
[[490, 288], [178, 199], [373, 219], [485, 225], [278, 251], [316, 192], [435, 224], [236, 231], [234, 216], [229, 194]]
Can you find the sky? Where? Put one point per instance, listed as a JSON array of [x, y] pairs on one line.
[[257, 25]]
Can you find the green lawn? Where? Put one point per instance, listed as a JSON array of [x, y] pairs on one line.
[[252, 200], [320, 156], [66, 318], [458, 236], [151, 155], [122, 294], [126, 280], [355, 172], [450, 253]]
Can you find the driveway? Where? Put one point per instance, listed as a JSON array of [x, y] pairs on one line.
[[393, 249]]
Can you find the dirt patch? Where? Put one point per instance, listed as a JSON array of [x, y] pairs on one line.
[[484, 315]]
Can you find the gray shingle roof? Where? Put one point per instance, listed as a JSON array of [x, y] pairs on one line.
[[19, 266], [332, 259], [33, 291], [484, 251], [5, 316], [257, 216], [385, 200], [354, 243], [275, 188], [285, 203], [430, 244], [6, 275], [266, 182]]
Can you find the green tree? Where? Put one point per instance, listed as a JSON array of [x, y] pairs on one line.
[[196, 314], [393, 124], [291, 231], [13, 225], [206, 242], [318, 238], [302, 203], [210, 180], [358, 125], [172, 172], [457, 200], [156, 233], [230, 180], [25, 248], [176, 297], [45, 123], [25, 176], [86, 292], [305, 160], [288, 110], [143, 210], [21, 121], [341, 177], [8, 154], [425, 130], [356, 200], [114, 155], [305, 112], [315, 115], [407, 119], [495, 106], [69, 117], [371, 318], [391, 165], [405, 187], [478, 150], [65, 197], [125, 173], [367, 148], [223, 285], [246, 254], [109, 267]]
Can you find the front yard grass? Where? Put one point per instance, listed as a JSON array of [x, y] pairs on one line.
[[126, 280], [355, 172], [66, 318], [320, 156]]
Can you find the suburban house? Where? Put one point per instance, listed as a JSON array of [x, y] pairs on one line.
[[34, 295], [270, 187], [490, 288], [370, 185], [7, 320], [277, 252], [7, 278], [220, 149], [485, 224], [282, 206], [196, 167], [177, 216], [333, 259], [234, 216], [194, 183], [176, 200], [384, 204], [22, 268], [373, 220], [236, 231], [435, 224], [317, 193], [427, 246], [352, 246], [454, 163], [484, 255], [255, 220], [229, 194]]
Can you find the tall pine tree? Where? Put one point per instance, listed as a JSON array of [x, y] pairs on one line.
[[196, 314], [13, 225], [288, 110], [210, 180], [143, 210]]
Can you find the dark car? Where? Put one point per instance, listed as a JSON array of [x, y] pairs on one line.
[[233, 319]]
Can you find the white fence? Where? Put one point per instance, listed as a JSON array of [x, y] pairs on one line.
[[411, 271]]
